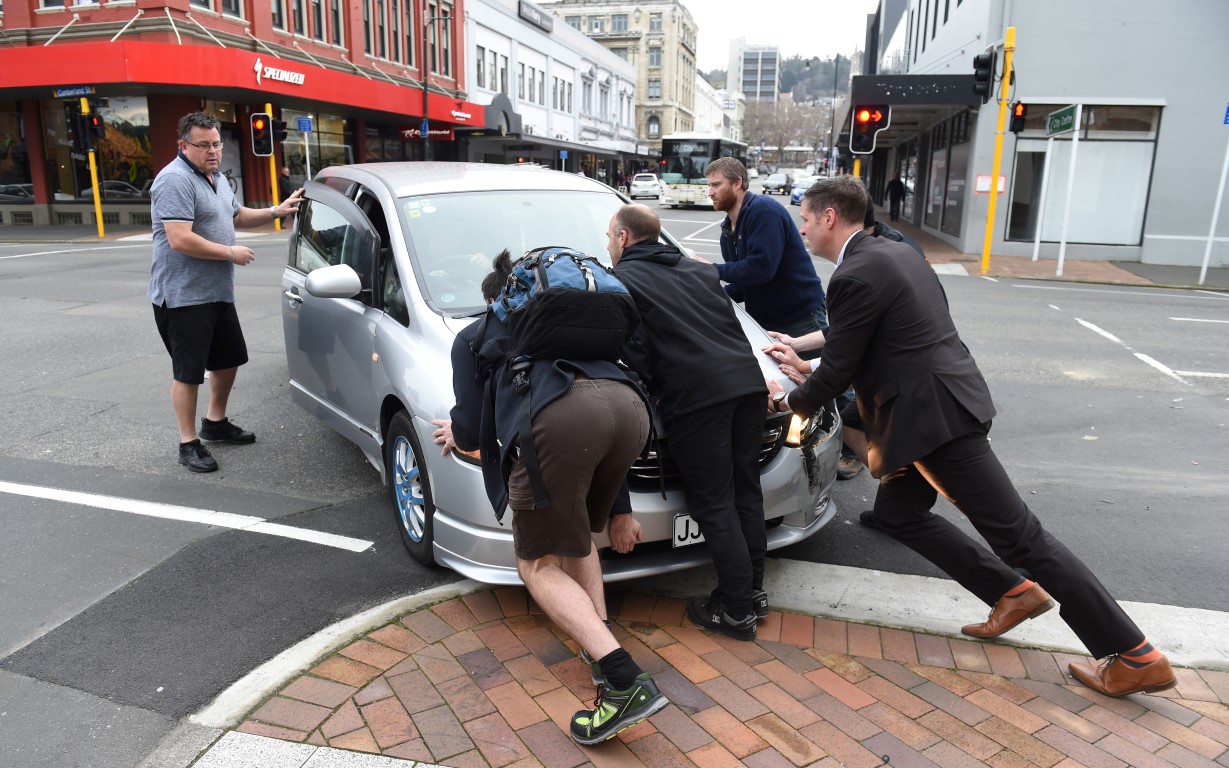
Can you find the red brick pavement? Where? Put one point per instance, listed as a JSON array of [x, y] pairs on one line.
[[487, 680]]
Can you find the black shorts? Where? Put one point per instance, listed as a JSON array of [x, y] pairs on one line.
[[202, 337], [851, 417]]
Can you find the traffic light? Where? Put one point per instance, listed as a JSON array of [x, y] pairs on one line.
[[94, 126], [1019, 113], [868, 121], [262, 137], [983, 75], [279, 130]]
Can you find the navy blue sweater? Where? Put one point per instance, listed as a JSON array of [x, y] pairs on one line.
[[767, 266]]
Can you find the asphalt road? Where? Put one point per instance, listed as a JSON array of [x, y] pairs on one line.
[[118, 624]]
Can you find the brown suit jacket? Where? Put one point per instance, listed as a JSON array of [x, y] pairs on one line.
[[893, 339]]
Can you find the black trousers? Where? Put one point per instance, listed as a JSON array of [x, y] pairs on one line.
[[717, 451], [969, 475]]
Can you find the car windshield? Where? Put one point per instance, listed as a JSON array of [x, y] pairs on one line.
[[777, 177], [455, 237]]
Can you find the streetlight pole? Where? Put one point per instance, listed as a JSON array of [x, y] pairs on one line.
[[832, 126], [424, 128]]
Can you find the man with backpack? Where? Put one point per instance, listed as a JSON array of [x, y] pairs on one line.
[[588, 423], [691, 351]]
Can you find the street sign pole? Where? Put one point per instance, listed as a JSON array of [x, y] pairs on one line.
[[1009, 47], [1075, 145], [1220, 196], [1041, 204], [85, 110]]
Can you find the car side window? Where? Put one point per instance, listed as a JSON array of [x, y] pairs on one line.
[[326, 238], [388, 282]]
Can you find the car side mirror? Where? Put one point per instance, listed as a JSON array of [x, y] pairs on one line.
[[338, 281]]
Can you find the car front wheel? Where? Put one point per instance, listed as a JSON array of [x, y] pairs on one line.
[[410, 489]]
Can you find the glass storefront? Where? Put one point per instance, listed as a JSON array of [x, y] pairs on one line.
[[1112, 176], [15, 186], [328, 143], [122, 156]]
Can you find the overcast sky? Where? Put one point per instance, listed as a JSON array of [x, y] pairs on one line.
[[798, 27]]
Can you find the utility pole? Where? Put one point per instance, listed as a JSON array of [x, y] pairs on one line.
[[836, 69], [1009, 47], [424, 69]]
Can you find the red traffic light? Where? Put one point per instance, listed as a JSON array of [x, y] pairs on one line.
[[1020, 109], [258, 123], [262, 139], [1019, 113]]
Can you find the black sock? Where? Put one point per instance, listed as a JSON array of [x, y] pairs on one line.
[[620, 670]]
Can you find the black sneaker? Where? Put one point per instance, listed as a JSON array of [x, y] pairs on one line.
[[196, 457], [711, 615], [848, 467], [226, 431], [595, 667], [616, 711], [759, 603]]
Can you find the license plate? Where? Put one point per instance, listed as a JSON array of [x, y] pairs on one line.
[[686, 531]]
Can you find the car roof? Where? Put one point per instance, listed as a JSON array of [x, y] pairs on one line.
[[419, 178]]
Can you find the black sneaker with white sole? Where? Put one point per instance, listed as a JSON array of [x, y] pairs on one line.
[[710, 614], [225, 431], [759, 603]]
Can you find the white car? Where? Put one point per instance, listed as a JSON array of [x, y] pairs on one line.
[[644, 185], [752, 173], [385, 267]]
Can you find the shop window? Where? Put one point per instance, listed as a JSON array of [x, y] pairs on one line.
[[15, 186], [1112, 176], [125, 167]]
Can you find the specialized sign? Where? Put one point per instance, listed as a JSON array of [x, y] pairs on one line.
[[88, 90], [1061, 121], [276, 73], [408, 134], [305, 125]]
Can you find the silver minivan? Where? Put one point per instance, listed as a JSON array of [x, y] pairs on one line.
[[385, 266]]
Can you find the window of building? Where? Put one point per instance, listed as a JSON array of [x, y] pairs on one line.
[[318, 19], [300, 18], [367, 28], [569, 98], [335, 12], [654, 88], [1112, 176], [492, 66], [122, 156], [229, 7], [433, 47], [618, 22], [480, 67], [597, 24], [446, 39], [654, 127], [620, 52], [654, 55], [533, 85], [381, 37], [572, 21], [586, 98], [520, 83], [197, 3], [603, 101], [654, 22], [394, 35], [542, 87], [411, 39], [278, 9], [554, 93]]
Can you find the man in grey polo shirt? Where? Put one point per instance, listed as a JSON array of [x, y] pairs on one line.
[[192, 283]]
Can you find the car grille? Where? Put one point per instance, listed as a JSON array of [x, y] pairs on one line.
[[650, 472]]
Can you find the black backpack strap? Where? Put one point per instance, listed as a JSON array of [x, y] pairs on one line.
[[520, 381]]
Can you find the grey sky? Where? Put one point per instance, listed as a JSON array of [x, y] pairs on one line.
[[798, 27]]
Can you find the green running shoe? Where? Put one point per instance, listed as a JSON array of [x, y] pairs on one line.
[[616, 711], [595, 667]]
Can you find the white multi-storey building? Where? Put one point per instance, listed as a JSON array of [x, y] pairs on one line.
[[755, 69]]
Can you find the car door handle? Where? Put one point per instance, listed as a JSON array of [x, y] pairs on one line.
[[293, 296]]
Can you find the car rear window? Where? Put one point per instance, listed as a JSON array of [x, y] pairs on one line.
[[645, 177]]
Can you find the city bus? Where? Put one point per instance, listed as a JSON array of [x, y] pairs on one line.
[[684, 161]]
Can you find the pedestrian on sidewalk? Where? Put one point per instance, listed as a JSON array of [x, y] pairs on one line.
[[692, 353], [927, 413], [589, 424], [896, 193], [192, 283]]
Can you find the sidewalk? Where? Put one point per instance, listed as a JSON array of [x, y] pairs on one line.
[[485, 679]]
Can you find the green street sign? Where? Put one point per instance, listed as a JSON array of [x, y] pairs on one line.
[[1061, 121]]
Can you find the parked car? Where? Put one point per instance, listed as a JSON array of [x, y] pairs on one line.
[[801, 185], [114, 191], [644, 185], [752, 173], [384, 269], [16, 193], [776, 183]]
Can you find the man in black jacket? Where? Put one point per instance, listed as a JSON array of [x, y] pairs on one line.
[[691, 351], [927, 411]]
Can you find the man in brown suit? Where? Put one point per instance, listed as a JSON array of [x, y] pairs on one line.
[[926, 411]]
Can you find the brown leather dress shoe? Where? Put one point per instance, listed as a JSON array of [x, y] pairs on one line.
[[1010, 611], [1115, 677]]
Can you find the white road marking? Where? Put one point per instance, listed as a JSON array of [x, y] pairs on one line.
[[1197, 320], [1203, 374], [693, 235], [187, 515], [988, 277], [1161, 367], [1219, 294], [1055, 308], [1095, 329], [66, 250]]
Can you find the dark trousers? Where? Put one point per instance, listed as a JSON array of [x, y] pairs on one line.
[[894, 208], [717, 450], [969, 475]]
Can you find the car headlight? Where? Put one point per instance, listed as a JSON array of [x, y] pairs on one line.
[[800, 430]]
